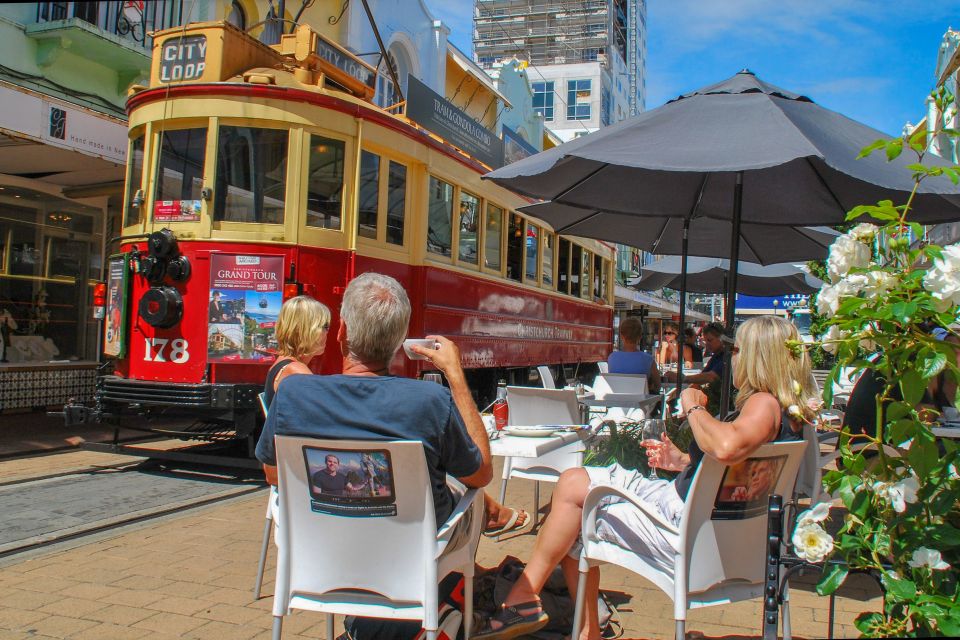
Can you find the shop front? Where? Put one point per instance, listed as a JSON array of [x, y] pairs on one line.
[[51, 253]]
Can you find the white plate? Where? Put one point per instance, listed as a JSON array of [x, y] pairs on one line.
[[538, 431]]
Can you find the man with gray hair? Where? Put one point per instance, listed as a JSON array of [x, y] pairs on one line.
[[365, 403]]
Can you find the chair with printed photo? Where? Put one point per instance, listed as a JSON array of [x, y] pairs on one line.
[[722, 534], [372, 550]]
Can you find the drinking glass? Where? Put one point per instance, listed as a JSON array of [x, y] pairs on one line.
[[433, 377], [653, 430]]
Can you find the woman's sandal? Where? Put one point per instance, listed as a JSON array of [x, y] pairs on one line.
[[513, 623], [513, 524]]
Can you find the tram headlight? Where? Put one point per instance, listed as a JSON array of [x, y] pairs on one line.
[[163, 244], [161, 307], [178, 269]]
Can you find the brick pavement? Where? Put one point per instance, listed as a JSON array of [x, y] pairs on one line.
[[190, 576]]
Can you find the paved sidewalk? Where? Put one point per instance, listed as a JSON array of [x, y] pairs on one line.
[[192, 576]]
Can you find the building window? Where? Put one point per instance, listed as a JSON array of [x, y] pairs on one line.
[[604, 106], [180, 170], [579, 93], [543, 99]]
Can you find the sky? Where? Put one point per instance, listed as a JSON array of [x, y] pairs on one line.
[[871, 60]]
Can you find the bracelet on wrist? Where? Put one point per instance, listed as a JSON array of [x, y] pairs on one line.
[[695, 408]]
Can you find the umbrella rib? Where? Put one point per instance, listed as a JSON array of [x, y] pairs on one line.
[[823, 183], [566, 227], [580, 181], [693, 211]]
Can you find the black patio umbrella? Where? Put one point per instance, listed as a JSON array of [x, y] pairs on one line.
[[741, 150], [707, 237], [710, 275]]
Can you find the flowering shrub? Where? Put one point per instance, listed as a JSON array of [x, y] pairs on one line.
[[884, 296]]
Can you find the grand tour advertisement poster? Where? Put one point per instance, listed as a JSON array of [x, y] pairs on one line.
[[245, 297]]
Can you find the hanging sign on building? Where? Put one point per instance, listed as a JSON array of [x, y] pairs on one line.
[[246, 292], [439, 115], [515, 147]]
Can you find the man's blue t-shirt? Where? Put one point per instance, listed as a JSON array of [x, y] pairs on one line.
[[638, 362], [715, 364], [376, 408]]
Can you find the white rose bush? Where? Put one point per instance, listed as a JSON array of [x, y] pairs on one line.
[[885, 291]]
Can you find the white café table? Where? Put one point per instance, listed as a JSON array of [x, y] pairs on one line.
[[508, 446], [644, 401]]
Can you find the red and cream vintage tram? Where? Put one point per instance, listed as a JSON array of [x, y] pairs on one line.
[[256, 173]]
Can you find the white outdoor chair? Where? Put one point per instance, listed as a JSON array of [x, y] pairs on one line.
[[531, 406], [388, 565], [603, 366], [635, 383], [719, 560], [546, 377], [272, 503]]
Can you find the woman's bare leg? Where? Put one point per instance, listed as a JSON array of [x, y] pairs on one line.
[[554, 540]]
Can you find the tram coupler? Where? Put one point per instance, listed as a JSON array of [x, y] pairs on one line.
[[74, 413]]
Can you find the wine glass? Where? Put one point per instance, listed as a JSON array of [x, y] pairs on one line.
[[433, 377], [653, 430]]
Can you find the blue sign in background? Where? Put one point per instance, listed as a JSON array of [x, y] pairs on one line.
[[790, 301]]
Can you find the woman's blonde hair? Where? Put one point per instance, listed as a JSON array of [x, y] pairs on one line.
[[766, 364], [300, 326]]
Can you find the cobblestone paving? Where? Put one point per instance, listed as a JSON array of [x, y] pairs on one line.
[[191, 577]]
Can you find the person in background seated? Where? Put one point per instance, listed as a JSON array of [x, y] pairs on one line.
[[764, 371], [670, 348], [367, 403], [630, 359], [301, 333], [691, 340], [715, 340]]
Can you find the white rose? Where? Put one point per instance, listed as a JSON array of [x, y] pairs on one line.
[[878, 283], [828, 300], [845, 254], [812, 543], [863, 232], [816, 515], [924, 557], [942, 280], [899, 494], [831, 337]]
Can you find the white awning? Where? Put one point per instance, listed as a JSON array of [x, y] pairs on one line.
[[471, 69]]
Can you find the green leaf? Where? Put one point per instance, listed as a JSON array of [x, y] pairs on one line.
[[904, 311], [912, 386], [894, 148], [949, 625], [868, 622], [897, 410], [860, 504], [870, 148], [932, 364], [899, 588], [944, 535], [833, 576]]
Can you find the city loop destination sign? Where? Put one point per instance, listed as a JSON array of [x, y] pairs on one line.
[[435, 113]]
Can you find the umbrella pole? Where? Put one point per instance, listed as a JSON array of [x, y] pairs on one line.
[[683, 303], [725, 388]]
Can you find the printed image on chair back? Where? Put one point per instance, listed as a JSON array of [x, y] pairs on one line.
[[746, 488], [351, 483]]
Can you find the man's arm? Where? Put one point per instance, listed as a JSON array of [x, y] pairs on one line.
[[447, 360]]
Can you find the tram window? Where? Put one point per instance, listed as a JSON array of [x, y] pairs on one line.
[[585, 274], [576, 259], [598, 277], [180, 171], [251, 175], [563, 265], [493, 238], [439, 231], [396, 202], [604, 280], [547, 258], [469, 213], [325, 183], [131, 214], [368, 192], [533, 247], [515, 247]]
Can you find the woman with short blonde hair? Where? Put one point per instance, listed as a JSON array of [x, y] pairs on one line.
[[301, 333]]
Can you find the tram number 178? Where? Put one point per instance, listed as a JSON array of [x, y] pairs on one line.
[[162, 349]]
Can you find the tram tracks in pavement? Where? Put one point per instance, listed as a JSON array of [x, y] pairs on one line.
[[69, 507]]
